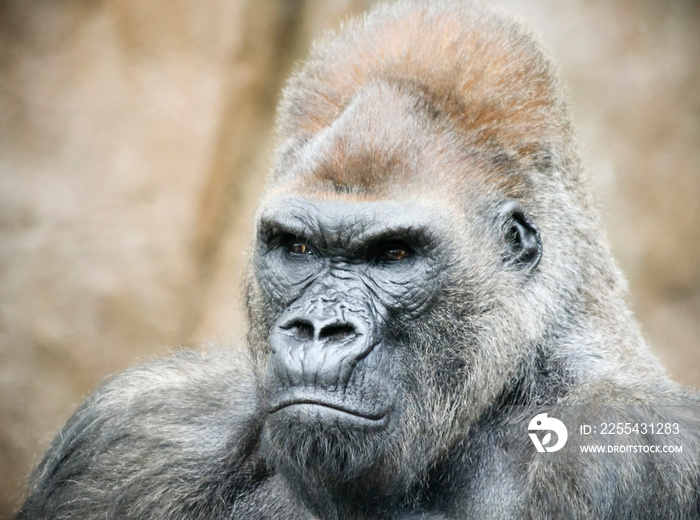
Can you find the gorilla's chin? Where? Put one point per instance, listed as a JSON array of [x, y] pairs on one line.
[[331, 445]]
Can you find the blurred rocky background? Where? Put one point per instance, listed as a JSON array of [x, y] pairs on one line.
[[135, 137]]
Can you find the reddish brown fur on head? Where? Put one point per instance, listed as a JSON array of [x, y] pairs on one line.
[[477, 89]]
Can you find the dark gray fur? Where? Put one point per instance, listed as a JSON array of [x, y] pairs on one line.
[[518, 309]]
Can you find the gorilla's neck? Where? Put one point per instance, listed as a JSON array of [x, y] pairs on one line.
[[366, 497]]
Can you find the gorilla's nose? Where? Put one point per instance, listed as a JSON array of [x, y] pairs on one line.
[[319, 343], [322, 331]]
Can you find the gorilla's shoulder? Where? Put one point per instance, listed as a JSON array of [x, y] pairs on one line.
[[184, 426], [185, 401], [182, 388]]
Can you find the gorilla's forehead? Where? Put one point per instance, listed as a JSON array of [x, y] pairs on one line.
[[344, 222], [385, 137], [390, 141]]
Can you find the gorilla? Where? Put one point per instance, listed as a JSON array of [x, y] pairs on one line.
[[429, 290]]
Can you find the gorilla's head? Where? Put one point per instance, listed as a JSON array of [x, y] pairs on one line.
[[396, 290]]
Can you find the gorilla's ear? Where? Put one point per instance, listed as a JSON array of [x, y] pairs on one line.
[[522, 238]]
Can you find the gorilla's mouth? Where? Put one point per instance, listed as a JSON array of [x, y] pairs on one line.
[[340, 411]]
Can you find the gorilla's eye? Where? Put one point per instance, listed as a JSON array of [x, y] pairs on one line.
[[298, 248], [394, 253]]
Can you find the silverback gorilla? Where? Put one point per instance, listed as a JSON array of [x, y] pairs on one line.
[[428, 280]]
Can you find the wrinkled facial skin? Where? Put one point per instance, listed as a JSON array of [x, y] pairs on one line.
[[338, 273], [339, 277]]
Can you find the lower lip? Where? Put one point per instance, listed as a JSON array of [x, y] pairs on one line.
[[313, 409]]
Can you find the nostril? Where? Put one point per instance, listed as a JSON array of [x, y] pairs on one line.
[[302, 330], [336, 332]]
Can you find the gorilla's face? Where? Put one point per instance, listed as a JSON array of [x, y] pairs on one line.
[[346, 285], [340, 275], [363, 318]]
